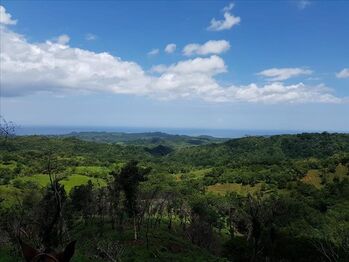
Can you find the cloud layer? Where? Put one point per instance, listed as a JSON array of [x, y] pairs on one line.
[[280, 74], [55, 67]]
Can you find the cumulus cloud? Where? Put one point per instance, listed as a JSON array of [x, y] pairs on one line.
[[343, 73], [280, 74], [55, 67], [153, 52], [195, 78], [6, 18], [210, 47], [52, 66], [170, 48], [228, 22]]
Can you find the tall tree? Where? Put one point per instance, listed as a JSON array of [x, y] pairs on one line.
[[128, 181]]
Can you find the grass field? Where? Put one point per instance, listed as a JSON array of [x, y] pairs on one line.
[[313, 176], [222, 189], [95, 171], [195, 174], [77, 180], [68, 182]]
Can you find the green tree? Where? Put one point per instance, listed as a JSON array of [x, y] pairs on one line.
[[128, 182]]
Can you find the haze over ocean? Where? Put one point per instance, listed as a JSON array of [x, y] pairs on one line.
[[223, 133]]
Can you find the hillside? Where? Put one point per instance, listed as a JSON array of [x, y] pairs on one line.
[[144, 139], [205, 202], [265, 150]]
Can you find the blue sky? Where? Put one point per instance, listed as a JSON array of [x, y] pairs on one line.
[[240, 65]]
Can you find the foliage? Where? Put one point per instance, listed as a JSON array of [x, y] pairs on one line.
[[154, 197]]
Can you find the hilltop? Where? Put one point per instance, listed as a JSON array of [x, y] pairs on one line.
[[144, 139]]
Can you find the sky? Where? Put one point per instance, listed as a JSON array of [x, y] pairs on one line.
[[269, 65]]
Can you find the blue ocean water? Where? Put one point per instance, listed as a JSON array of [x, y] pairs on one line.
[[223, 133]]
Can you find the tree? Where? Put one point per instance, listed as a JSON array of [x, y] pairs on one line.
[[7, 128], [254, 217], [203, 218], [82, 199], [128, 182], [50, 216]]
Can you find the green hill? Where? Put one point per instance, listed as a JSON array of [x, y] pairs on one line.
[[144, 139], [265, 150], [211, 202]]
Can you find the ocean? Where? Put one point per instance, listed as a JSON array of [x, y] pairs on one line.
[[222, 133]]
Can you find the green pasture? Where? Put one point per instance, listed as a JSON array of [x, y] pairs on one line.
[[68, 182], [240, 189]]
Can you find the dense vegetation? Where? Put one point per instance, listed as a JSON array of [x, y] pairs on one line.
[[149, 139], [278, 198]]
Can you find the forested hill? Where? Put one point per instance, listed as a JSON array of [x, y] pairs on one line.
[[264, 150], [144, 139], [241, 151], [261, 197]]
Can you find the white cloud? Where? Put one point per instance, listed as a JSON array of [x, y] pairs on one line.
[[343, 73], [302, 4], [280, 93], [170, 48], [153, 52], [228, 7], [30, 68], [280, 74], [210, 66], [210, 47], [228, 22], [195, 78], [158, 68], [90, 37], [6, 18], [63, 39]]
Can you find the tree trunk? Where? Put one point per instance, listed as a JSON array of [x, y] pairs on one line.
[[135, 228]]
